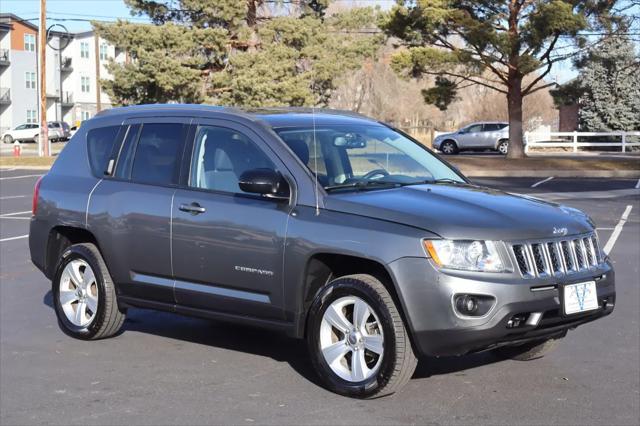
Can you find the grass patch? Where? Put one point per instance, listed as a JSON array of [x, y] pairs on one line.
[[26, 161]]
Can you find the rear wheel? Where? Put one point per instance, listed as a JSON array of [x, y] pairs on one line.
[[7, 139], [357, 339], [527, 351], [449, 147], [84, 295], [503, 147]]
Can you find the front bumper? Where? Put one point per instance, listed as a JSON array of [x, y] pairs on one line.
[[426, 295]]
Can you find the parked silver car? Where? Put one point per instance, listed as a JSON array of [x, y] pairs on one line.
[[475, 136]]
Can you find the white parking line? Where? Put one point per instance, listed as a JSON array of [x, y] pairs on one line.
[[6, 170], [14, 238], [638, 184], [617, 230], [542, 181], [13, 196], [14, 217], [15, 213], [18, 177]]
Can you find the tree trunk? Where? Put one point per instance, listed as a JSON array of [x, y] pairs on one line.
[[514, 101]]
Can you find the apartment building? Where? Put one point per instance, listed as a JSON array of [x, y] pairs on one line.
[[75, 65]]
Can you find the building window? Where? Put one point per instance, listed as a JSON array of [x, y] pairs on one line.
[[84, 50], [30, 42], [32, 118], [103, 52], [84, 115], [30, 80], [84, 84]]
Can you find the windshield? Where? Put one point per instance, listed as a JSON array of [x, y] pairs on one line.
[[359, 156]]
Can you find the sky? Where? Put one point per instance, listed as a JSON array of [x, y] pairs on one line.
[[74, 15]]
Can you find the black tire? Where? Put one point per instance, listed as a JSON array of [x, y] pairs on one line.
[[108, 319], [503, 146], [7, 139], [449, 148], [528, 351], [398, 362]]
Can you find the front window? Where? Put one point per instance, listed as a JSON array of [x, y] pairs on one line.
[[85, 84], [30, 80], [84, 50], [359, 156], [30, 42], [103, 52], [32, 117]]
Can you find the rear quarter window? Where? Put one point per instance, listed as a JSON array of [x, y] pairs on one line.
[[100, 144]]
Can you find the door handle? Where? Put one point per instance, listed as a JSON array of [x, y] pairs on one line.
[[193, 208]]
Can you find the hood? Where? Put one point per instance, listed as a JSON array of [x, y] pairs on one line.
[[464, 212], [442, 135]]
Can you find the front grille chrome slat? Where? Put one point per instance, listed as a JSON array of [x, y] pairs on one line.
[[557, 257]]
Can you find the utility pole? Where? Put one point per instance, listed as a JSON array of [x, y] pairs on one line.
[[97, 49], [44, 146]]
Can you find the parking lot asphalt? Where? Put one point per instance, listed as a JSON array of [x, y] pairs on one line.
[[167, 369]]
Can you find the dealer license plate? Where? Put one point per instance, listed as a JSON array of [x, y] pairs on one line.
[[580, 297]]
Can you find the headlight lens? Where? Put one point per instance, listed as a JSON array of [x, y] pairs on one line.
[[479, 256]]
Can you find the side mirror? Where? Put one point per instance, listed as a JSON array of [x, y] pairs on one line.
[[266, 182]]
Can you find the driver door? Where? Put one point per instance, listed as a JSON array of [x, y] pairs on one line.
[[471, 137], [227, 245]]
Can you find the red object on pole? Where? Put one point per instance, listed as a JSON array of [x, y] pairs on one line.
[[17, 149]]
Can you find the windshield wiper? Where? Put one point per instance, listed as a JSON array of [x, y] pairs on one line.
[[435, 181], [369, 184]]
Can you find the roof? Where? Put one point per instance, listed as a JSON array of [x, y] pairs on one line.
[[274, 117], [7, 18]]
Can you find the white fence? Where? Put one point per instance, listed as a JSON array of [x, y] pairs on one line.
[[623, 140]]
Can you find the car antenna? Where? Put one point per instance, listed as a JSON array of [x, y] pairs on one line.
[[315, 161]]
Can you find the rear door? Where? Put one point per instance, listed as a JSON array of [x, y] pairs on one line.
[[228, 246], [131, 207]]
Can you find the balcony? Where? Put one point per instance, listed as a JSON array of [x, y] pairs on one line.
[[4, 58], [5, 96], [66, 65], [67, 100]]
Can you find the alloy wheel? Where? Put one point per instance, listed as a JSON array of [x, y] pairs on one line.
[[351, 339], [78, 293]]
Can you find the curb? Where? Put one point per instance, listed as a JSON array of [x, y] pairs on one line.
[[25, 167], [555, 173]]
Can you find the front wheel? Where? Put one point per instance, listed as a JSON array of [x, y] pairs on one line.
[[7, 139], [503, 147], [84, 295], [357, 339], [449, 148]]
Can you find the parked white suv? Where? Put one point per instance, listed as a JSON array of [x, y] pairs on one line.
[[476, 136], [28, 132]]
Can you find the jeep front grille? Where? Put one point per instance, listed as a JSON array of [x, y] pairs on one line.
[[557, 257]]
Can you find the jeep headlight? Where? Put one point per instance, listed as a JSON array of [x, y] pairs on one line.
[[481, 256]]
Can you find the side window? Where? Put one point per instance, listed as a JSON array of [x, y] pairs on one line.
[[490, 127], [100, 143], [157, 153], [475, 128], [221, 156]]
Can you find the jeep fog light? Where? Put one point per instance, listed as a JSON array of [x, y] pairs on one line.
[[473, 305]]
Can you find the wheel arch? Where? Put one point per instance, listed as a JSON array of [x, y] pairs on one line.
[[322, 268], [60, 238]]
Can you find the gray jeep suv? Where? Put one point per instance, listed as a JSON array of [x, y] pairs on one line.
[[327, 226]]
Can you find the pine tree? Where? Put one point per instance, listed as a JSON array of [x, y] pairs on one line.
[[235, 51], [609, 82], [492, 43]]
